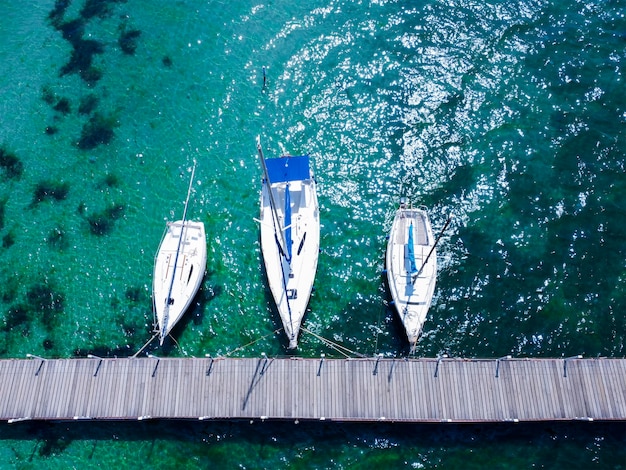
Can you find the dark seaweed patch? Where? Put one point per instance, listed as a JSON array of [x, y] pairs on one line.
[[101, 223], [8, 240], [82, 207], [136, 294], [63, 106], [53, 446], [42, 298], [17, 315], [56, 15], [49, 190], [12, 166], [10, 288], [72, 31], [81, 59], [88, 104], [91, 75], [111, 180], [83, 50], [167, 61], [3, 205], [97, 131], [47, 95], [58, 239], [99, 8], [129, 330], [128, 41]]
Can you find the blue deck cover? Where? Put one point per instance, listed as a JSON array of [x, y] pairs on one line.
[[284, 169]]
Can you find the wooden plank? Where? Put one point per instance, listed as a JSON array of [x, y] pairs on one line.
[[603, 398], [533, 381], [620, 389], [482, 389], [578, 399], [81, 388], [589, 386], [46, 400], [618, 403], [67, 388], [618, 376], [18, 406], [469, 404], [9, 377], [12, 374], [118, 401]]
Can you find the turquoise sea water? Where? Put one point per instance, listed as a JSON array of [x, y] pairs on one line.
[[508, 115]]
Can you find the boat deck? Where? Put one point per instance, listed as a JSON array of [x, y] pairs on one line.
[[413, 390]]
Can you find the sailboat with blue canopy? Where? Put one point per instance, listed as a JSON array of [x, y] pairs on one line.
[[290, 235]]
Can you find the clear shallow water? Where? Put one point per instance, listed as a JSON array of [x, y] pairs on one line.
[[508, 115]]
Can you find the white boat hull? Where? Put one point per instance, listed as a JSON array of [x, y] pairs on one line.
[[412, 294], [291, 283], [177, 278]]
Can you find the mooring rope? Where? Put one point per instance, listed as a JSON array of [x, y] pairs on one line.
[[144, 346], [334, 345], [251, 342]]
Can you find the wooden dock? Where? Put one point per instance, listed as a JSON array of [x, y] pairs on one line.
[[413, 390]]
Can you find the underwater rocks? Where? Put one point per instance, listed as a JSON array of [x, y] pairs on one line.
[[42, 298], [49, 190], [97, 131], [128, 41], [101, 223], [42, 303], [88, 104], [10, 164]]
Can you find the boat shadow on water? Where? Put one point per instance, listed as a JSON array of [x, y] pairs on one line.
[[194, 315]]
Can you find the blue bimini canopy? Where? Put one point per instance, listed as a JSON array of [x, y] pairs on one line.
[[284, 169]]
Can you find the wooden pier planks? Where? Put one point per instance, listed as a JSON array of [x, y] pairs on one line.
[[373, 389]]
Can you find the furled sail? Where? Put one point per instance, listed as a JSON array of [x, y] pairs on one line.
[[411, 251], [288, 241]]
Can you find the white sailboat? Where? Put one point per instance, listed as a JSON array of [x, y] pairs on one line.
[[411, 265], [179, 268], [290, 236]]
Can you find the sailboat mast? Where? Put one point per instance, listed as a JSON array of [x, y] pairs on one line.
[[180, 241], [193, 172], [269, 190], [280, 230]]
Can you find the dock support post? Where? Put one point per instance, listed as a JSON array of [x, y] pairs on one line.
[[91, 356], [498, 364], [579, 356], [156, 365], [32, 356], [264, 363], [319, 370], [375, 371], [393, 364], [439, 359], [210, 369]]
